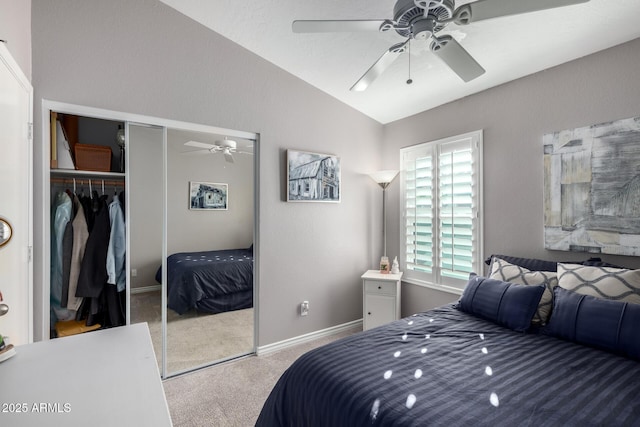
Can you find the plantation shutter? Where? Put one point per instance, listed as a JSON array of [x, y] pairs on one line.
[[456, 213], [419, 212], [441, 184]]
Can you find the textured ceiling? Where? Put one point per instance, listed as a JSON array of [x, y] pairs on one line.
[[508, 47]]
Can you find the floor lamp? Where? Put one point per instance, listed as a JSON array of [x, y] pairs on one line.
[[384, 178]]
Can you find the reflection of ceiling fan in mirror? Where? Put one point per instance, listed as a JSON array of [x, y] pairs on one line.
[[422, 20], [227, 147]]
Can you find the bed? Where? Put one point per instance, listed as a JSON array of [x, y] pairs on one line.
[[209, 281], [479, 362]]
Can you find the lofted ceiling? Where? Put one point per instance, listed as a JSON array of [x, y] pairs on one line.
[[508, 47]]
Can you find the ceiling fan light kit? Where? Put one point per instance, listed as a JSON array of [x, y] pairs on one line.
[[422, 20]]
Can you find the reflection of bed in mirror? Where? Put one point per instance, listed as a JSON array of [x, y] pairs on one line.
[[209, 281]]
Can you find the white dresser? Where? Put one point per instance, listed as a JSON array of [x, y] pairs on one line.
[[380, 298]]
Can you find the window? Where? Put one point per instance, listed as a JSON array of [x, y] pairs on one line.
[[441, 207]]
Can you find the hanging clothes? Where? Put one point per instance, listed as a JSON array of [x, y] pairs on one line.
[[80, 236], [93, 271], [61, 215], [67, 247], [102, 303], [88, 250], [117, 247], [85, 201]]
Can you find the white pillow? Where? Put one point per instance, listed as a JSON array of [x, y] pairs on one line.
[[618, 284], [507, 272]]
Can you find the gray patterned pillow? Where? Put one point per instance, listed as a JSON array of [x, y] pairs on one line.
[[507, 272], [601, 282]]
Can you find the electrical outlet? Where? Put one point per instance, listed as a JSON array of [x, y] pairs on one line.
[[134, 272], [304, 308]]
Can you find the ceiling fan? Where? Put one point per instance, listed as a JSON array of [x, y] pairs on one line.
[[423, 20], [226, 146]]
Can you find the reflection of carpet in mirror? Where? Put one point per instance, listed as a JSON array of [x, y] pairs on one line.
[[194, 339]]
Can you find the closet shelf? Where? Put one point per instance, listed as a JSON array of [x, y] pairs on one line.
[[87, 174]]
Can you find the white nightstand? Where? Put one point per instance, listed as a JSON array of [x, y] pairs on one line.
[[380, 298]]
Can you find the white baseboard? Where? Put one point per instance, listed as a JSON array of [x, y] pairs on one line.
[[280, 345], [142, 289]]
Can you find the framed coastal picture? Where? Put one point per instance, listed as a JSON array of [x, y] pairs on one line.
[[208, 196], [312, 177]]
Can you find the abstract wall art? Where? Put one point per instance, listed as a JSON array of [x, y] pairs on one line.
[[592, 188]]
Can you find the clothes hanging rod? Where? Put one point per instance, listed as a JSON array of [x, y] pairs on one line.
[[85, 182]]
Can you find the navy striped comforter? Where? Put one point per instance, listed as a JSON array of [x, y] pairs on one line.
[[210, 281], [448, 368]]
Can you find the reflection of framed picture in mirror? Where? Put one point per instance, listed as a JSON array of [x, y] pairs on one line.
[[208, 196], [312, 177]]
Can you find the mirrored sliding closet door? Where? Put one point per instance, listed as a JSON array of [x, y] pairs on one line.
[[210, 217], [192, 235], [146, 228]]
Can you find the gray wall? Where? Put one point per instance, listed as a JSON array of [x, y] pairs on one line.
[[15, 29], [143, 57], [515, 116]]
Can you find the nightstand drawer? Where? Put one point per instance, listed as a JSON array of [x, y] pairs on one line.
[[380, 287]]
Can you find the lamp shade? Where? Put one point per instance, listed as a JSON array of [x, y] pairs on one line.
[[384, 177]]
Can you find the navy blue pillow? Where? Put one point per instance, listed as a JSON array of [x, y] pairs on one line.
[[507, 304], [530, 264], [605, 324], [533, 264]]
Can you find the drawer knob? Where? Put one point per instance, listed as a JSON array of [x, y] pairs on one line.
[[379, 287], [369, 313]]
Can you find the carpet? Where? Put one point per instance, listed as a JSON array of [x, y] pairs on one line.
[[194, 339], [232, 394]]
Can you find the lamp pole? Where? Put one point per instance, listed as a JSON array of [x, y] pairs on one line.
[[384, 178], [384, 186]]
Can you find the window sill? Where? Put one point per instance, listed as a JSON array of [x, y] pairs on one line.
[[441, 288]]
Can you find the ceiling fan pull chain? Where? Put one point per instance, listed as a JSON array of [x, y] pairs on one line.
[[409, 81]]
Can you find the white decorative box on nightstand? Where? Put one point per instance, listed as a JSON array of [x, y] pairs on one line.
[[380, 298]]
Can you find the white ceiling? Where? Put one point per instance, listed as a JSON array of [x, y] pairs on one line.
[[508, 47]]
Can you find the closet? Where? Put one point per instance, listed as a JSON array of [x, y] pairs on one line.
[[88, 241], [148, 166]]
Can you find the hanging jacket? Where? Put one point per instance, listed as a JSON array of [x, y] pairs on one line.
[[80, 236], [67, 247], [93, 271], [117, 247], [89, 216], [61, 214]]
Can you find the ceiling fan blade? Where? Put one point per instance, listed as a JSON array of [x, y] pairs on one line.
[[337, 26], [228, 157], [198, 144], [488, 9], [379, 66], [457, 58]]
